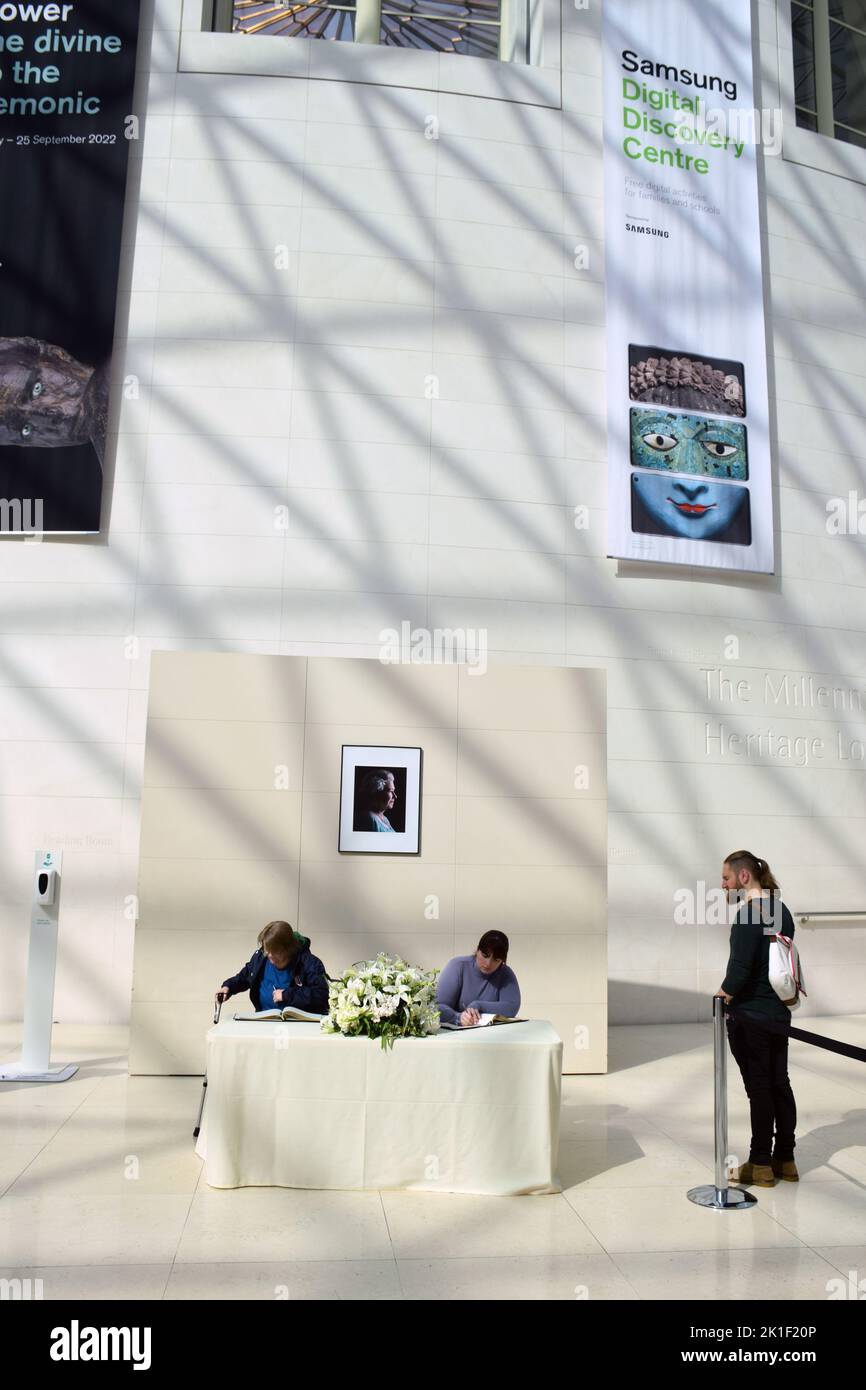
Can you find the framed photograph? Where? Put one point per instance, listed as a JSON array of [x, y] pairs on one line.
[[380, 800]]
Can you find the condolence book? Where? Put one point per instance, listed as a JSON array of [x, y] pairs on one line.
[[486, 1021], [287, 1015]]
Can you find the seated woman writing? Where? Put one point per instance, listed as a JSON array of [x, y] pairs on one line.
[[482, 983], [281, 973]]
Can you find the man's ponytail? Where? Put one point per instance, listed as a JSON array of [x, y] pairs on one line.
[[767, 878]]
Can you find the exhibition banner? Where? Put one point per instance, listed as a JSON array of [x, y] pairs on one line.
[[66, 82], [688, 434]]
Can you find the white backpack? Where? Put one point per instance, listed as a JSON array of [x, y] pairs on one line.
[[786, 970]]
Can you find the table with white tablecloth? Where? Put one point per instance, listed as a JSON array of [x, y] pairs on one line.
[[475, 1110]]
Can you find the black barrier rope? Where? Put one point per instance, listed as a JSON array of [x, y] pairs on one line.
[[772, 1025]]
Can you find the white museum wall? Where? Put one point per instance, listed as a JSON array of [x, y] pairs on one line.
[[421, 389]]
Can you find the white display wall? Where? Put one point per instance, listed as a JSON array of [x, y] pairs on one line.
[[240, 813]]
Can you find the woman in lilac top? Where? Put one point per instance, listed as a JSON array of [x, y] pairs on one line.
[[482, 983]]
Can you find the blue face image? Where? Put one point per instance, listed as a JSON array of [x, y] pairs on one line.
[[695, 508], [688, 444]]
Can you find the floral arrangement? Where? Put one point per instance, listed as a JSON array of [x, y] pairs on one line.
[[383, 998]]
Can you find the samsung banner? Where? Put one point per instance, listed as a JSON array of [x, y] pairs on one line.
[[66, 83], [688, 445]]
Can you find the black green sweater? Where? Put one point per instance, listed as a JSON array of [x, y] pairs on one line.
[[747, 977]]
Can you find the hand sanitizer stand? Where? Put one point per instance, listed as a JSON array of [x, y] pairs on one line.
[[39, 1008]]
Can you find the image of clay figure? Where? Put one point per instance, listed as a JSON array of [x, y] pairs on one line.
[[695, 509], [685, 380], [688, 444], [49, 400]]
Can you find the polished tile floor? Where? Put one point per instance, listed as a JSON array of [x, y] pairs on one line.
[[102, 1196]]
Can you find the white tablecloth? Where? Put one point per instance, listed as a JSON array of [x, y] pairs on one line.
[[290, 1106]]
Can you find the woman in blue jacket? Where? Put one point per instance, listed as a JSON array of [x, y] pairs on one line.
[[281, 973]]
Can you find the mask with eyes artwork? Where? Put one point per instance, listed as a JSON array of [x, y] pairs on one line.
[[697, 506], [688, 444], [48, 399]]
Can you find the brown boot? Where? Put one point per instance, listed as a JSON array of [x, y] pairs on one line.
[[786, 1170], [753, 1175]]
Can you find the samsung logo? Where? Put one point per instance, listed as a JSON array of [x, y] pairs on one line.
[[645, 231], [76, 1343]]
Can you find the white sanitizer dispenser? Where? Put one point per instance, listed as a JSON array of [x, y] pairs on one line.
[[41, 962]]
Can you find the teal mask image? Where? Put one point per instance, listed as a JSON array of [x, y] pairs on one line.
[[693, 444]]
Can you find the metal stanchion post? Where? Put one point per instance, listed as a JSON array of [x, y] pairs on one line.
[[719, 1195]]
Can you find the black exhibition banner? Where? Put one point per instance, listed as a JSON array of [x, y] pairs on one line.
[[67, 73]]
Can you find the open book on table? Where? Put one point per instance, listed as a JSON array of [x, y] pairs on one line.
[[286, 1015], [486, 1021]]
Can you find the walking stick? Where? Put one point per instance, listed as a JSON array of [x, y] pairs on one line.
[[218, 1003]]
